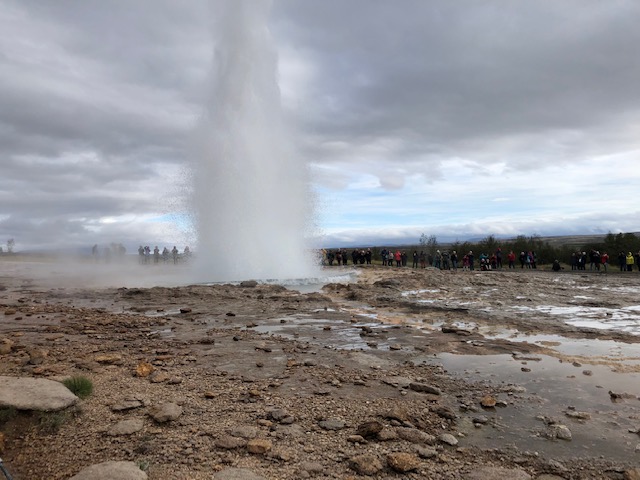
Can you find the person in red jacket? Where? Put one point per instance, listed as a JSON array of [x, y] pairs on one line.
[[512, 259]]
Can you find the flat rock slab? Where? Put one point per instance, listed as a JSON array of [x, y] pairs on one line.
[[126, 427], [237, 474], [26, 393], [111, 471]]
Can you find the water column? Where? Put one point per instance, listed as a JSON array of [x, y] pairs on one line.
[[251, 192]]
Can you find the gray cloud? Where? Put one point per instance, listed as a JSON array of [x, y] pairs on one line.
[[99, 100]]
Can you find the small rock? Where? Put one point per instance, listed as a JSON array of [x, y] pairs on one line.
[[387, 434], [311, 467], [578, 415], [369, 429], [279, 414], [413, 435], [110, 359], [397, 381], [229, 442], [185, 310], [37, 356], [424, 388], [448, 439], [126, 405], [480, 419], [488, 401], [397, 413], [245, 431], [159, 377], [560, 432], [426, 452], [403, 462], [259, 446], [6, 346], [332, 424], [366, 464], [445, 412], [126, 427], [165, 412]]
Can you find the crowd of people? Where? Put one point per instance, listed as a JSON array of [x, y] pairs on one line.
[[442, 260], [597, 260], [145, 254], [341, 257], [445, 260], [117, 253]]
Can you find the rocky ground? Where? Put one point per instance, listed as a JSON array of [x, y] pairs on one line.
[[257, 381]]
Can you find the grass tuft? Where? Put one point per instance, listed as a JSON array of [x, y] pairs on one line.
[[80, 386], [50, 422]]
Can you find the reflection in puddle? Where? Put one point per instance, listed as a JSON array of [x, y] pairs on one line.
[[554, 388]]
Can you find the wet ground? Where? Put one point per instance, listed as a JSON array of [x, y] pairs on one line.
[[562, 348]]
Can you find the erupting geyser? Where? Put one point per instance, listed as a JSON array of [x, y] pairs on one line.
[[251, 193]]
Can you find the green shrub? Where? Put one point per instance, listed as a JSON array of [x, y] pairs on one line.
[[80, 386], [143, 465]]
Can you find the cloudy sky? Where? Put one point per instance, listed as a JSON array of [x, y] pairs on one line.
[[456, 119]]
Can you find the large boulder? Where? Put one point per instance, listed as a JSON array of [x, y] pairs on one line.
[[26, 393], [111, 471], [497, 473], [236, 474]]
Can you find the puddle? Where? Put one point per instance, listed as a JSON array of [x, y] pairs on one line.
[[552, 388], [342, 335]]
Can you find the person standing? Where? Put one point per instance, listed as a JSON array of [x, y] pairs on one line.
[[437, 261], [630, 262], [511, 257], [423, 259]]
